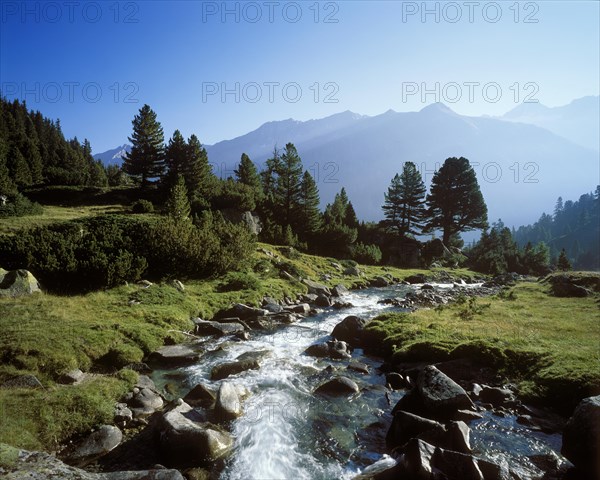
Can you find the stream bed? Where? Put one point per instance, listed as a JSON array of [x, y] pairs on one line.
[[286, 432]]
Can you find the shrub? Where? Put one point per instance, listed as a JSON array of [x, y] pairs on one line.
[[17, 205], [366, 253], [142, 206], [235, 281]]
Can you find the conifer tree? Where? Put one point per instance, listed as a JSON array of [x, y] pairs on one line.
[[146, 159], [247, 174], [287, 191], [199, 177], [563, 261], [404, 206], [178, 205], [455, 200], [308, 215], [175, 158]]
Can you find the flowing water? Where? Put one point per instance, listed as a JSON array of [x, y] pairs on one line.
[[286, 432]]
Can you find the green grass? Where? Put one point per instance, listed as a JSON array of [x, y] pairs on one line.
[[54, 214], [549, 345]]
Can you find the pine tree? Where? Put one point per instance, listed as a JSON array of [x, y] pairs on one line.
[[146, 158], [175, 159], [350, 219], [178, 205], [308, 215], [247, 174], [7, 186], [287, 191], [199, 177], [404, 206], [455, 200], [19, 169], [563, 261]]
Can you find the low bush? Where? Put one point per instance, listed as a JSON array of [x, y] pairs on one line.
[[366, 253], [235, 281], [18, 205], [142, 206]]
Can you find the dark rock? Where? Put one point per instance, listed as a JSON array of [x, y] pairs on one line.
[[396, 381], [339, 290], [122, 414], [23, 381], [496, 396], [358, 367], [246, 361], [441, 395], [273, 308], [406, 425], [333, 349], [427, 286], [301, 309], [568, 286], [200, 396], [379, 282], [323, 301], [466, 415], [581, 437], [162, 474], [456, 465], [186, 441], [317, 288], [204, 327], [309, 298], [415, 462], [174, 355], [241, 311], [285, 318], [338, 386], [418, 278], [351, 330], [228, 405], [342, 305], [99, 443]]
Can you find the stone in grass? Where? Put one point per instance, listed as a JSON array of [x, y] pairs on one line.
[[97, 444]]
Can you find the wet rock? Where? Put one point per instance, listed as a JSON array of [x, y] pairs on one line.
[[309, 298], [358, 367], [466, 415], [441, 395], [205, 327], [246, 361], [406, 425], [200, 396], [317, 288], [342, 305], [71, 377], [323, 301], [418, 278], [285, 318], [186, 441], [334, 349], [379, 282], [228, 405], [457, 465], [301, 309], [338, 386], [496, 396], [581, 437], [99, 443], [427, 286], [23, 381], [145, 400], [174, 355], [396, 381], [351, 330], [339, 291], [377, 470], [415, 461], [162, 474], [241, 311]]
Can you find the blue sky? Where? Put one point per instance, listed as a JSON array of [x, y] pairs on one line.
[[94, 64]]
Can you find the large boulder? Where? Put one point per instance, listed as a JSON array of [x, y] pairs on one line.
[[204, 327], [581, 437], [228, 405], [317, 288], [241, 311], [200, 396], [441, 395], [566, 286], [351, 330], [247, 218], [23, 381], [186, 441], [406, 425], [339, 290], [334, 349], [17, 283], [144, 402], [338, 386], [174, 355], [94, 446], [246, 361]]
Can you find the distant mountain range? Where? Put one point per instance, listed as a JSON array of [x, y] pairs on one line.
[[579, 121], [114, 156], [521, 168]]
